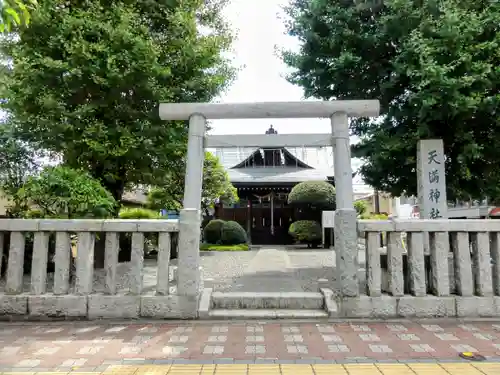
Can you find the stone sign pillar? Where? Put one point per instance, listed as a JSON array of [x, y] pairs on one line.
[[431, 179], [346, 236], [431, 183]]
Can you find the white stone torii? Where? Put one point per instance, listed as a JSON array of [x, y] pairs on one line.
[[345, 216]]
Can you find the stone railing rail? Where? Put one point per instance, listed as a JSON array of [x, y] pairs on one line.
[[457, 275], [78, 299]]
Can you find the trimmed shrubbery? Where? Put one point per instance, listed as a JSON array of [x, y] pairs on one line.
[[306, 231], [233, 234], [319, 194], [225, 233], [212, 231]]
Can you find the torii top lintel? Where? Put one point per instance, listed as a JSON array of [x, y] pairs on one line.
[[300, 109]]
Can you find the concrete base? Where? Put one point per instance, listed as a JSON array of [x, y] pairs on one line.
[[386, 306], [270, 300], [331, 305], [369, 307], [205, 302], [478, 307], [13, 305], [268, 305], [426, 307], [57, 306], [169, 307], [211, 305], [116, 307]]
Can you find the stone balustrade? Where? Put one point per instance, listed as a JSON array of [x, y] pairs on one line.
[[72, 293], [463, 253]]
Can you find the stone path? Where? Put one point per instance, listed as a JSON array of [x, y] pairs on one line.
[[95, 346], [275, 269]]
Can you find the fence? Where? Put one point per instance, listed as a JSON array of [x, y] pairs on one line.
[[446, 268], [457, 275], [75, 289]]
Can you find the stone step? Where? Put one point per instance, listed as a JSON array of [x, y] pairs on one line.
[[268, 300], [267, 314]]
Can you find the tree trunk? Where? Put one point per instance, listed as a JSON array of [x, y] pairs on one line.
[[116, 188]]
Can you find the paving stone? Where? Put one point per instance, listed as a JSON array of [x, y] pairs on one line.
[[133, 344], [254, 338], [422, 348], [368, 337], [213, 349], [380, 348], [331, 338], [338, 348]]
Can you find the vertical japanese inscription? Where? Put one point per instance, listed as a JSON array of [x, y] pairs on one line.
[[434, 192], [432, 187]]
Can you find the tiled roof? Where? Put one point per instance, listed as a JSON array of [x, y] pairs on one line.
[[316, 157], [277, 174], [319, 158]]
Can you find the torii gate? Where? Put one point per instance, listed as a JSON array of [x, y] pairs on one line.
[[345, 215]]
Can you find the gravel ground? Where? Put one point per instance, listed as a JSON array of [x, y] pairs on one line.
[[296, 270]]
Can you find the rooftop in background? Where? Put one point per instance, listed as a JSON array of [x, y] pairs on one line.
[[320, 159]]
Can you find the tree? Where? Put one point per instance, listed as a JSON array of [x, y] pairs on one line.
[[216, 186], [436, 76], [360, 207], [15, 13], [17, 162], [62, 192], [87, 78]]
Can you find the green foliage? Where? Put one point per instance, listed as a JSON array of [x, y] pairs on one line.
[[138, 213], [306, 231], [319, 194], [368, 216], [216, 185], [233, 234], [360, 207], [434, 67], [85, 79], [213, 231], [15, 13], [62, 192], [165, 198], [17, 162], [212, 247]]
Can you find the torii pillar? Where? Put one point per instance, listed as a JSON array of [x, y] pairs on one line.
[[345, 215]]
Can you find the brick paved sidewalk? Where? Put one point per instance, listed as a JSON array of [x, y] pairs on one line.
[[95, 346]]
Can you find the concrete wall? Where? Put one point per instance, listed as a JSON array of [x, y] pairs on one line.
[[71, 292], [458, 277]]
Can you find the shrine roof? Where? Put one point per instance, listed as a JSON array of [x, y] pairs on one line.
[[311, 164]]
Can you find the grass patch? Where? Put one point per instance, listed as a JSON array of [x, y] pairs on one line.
[[211, 247]]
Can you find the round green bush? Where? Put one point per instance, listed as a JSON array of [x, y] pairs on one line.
[[233, 234], [306, 231], [317, 193], [213, 231]]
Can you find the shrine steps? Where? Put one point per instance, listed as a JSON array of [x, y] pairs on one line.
[[267, 305]]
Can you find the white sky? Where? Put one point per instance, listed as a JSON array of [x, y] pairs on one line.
[[260, 29], [260, 33]]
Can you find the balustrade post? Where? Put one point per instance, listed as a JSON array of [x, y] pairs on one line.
[[111, 250], [39, 263], [15, 266], [84, 263]]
